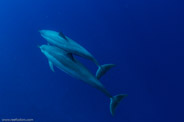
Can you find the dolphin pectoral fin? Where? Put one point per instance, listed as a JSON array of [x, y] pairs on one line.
[[62, 35], [103, 69], [51, 66], [115, 100]]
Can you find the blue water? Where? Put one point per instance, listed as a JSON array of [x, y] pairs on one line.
[[143, 38]]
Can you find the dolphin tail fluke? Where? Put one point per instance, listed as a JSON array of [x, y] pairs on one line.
[[115, 100], [103, 69]]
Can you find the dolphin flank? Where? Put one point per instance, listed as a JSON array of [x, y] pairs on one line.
[[58, 39], [66, 62]]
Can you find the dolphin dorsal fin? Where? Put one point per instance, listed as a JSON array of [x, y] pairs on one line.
[[69, 55], [51, 66], [62, 35]]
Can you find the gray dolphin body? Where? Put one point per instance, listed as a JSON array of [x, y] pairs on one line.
[[60, 40], [65, 62]]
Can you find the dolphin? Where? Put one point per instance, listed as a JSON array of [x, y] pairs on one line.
[[67, 63], [58, 39]]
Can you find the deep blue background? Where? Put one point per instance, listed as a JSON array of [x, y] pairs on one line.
[[143, 38]]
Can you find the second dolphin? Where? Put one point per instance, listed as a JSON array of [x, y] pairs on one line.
[[66, 62]]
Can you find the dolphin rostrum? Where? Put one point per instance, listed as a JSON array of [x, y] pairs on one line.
[[66, 62], [58, 39]]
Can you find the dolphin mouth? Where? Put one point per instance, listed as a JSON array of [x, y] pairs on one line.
[[41, 32], [45, 35]]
